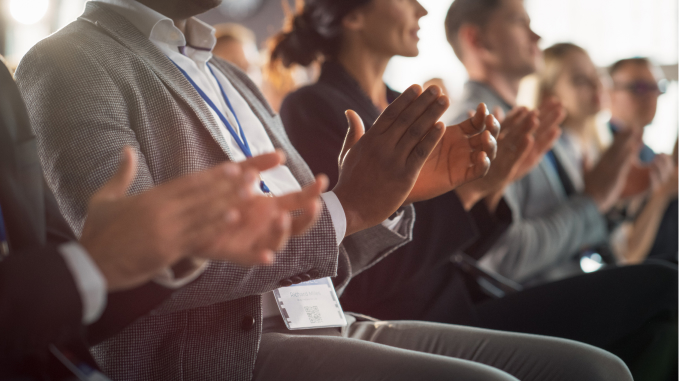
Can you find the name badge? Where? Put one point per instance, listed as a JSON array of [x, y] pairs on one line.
[[311, 304]]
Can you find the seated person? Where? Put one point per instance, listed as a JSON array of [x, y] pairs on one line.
[[141, 73], [570, 75], [636, 84], [53, 288]]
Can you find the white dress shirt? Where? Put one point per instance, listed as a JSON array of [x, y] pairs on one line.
[[192, 56]]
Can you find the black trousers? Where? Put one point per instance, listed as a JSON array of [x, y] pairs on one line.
[[630, 311]]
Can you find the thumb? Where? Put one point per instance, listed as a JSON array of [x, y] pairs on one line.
[[355, 132], [118, 185]]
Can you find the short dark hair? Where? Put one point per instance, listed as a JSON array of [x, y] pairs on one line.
[[461, 12], [627, 61]]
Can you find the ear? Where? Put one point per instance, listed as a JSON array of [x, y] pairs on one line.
[[354, 21], [470, 38]]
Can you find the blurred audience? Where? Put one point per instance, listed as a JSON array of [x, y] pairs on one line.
[[552, 222], [238, 45], [570, 76]]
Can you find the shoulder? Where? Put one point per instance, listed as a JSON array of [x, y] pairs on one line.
[[317, 100]]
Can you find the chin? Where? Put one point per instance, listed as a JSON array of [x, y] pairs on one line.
[[206, 5]]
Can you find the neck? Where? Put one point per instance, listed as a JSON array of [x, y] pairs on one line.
[[576, 127], [622, 124], [166, 8], [368, 68], [181, 25], [507, 87]]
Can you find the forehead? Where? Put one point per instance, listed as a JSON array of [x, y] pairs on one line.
[[578, 61], [634, 71], [511, 8]]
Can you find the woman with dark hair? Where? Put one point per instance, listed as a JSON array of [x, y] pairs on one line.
[[355, 41]]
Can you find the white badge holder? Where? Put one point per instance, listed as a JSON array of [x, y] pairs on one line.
[[311, 304]]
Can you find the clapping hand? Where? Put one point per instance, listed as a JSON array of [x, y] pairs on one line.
[[606, 181], [379, 168], [551, 114], [212, 214], [515, 142], [464, 154]]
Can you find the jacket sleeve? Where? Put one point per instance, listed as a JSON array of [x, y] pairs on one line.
[[39, 303], [533, 244]]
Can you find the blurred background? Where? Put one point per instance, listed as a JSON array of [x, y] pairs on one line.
[[608, 29]]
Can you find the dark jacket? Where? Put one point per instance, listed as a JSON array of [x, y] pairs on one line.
[[418, 281], [39, 302]]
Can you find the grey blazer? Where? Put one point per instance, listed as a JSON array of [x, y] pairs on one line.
[[99, 84], [548, 227]]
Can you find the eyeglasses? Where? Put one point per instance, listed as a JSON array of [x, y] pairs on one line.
[[643, 88]]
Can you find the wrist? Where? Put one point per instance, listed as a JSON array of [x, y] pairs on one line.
[[351, 215], [469, 195]]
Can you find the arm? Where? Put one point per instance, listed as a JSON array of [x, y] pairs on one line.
[[643, 231], [536, 241]]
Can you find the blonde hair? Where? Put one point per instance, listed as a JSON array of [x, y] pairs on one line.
[[554, 66]]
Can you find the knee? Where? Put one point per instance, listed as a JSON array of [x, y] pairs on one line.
[[592, 363]]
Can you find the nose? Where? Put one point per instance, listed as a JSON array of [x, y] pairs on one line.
[[534, 36], [420, 10]]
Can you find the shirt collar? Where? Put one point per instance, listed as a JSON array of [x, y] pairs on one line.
[[159, 28]]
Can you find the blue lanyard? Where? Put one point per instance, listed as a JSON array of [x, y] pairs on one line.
[[241, 140], [4, 246]]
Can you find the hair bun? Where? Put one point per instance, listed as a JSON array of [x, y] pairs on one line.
[[301, 44]]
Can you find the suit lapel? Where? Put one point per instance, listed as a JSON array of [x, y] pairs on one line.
[[127, 35]]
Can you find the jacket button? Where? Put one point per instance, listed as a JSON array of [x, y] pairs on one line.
[[305, 277], [296, 280], [286, 283], [247, 323], [314, 273]]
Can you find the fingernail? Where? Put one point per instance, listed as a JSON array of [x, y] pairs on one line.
[[442, 101], [434, 90]]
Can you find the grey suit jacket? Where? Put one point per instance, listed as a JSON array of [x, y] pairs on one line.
[[548, 227], [99, 84]]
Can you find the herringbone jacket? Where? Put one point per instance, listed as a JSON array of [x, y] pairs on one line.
[[99, 84]]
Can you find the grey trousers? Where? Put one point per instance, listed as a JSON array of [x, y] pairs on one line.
[[411, 350]]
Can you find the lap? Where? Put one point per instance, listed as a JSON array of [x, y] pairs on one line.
[[599, 308], [417, 350]]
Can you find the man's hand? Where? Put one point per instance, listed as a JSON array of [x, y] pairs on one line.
[[551, 114], [663, 177], [378, 169], [464, 154], [515, 142], [259, 233], [132, 238], [606, 181]]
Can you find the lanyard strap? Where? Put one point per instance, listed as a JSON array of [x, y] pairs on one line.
[[4, 245], [241, 140]]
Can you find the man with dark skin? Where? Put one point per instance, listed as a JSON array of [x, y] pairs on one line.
[[166, 95]]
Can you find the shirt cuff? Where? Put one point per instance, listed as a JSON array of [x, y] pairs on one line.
[[394, 222], [167, 277], [89, 280], [339, 219]]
